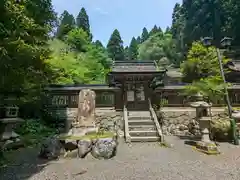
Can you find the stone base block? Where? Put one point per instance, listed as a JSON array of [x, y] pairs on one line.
[[82, 131], [209, 148]]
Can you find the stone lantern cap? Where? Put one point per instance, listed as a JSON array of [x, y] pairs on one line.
[[199, 104]]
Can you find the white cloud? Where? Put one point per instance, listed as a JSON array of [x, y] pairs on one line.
[[101, 11]]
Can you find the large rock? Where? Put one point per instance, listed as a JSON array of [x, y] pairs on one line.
[[84, 147], [105, 148], [50, 148]]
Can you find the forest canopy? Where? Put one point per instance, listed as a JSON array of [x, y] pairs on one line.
[[38, 47]]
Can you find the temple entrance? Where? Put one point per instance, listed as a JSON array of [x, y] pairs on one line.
[[136, 81], [136, 96]]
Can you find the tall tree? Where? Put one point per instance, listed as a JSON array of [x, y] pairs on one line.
[[138, 39], [133, 49], [177, 24], [83, 22], [98, 44], [155, 30], [126, 53], [78, 39], [168, 30], [115, 46], [23, 52], [67, 23], [145, 35]]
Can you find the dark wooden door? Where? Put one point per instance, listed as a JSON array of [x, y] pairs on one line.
[[136, 95]]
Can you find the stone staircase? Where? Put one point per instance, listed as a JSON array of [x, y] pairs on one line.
[[142, 127]]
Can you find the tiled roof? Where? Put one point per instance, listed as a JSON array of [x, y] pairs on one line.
[[134, 66]]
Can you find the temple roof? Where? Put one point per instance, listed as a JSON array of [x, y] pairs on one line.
[[135, 66]]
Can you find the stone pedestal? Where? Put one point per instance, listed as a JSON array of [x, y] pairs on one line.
[[7, 136], [204, 124]]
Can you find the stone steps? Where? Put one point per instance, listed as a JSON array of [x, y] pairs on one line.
[[143, 133], [138, 118], [145, 139], [141, 127], [141, 122]]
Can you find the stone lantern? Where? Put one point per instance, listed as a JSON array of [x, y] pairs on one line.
[[203, 116], [9, 118]]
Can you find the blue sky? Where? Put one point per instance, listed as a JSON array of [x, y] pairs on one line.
[[128, 16]]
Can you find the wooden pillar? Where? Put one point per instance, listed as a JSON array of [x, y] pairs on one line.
[[118, 100]]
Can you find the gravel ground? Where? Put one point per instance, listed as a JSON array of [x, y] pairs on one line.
[[140, 161]]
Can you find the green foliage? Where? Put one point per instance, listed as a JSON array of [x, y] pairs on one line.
[[155, 30], [211, 88], [138, 39], [157, 47], [67, 23], [220, 129], [22, 51], [115, 46], [200, 18], [83, 22], [98, 44], [144, 35], [34, 131], [78, 39], [133, 49], [77, 67], [201, 62]]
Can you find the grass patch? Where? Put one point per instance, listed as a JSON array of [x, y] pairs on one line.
[[88, 136]]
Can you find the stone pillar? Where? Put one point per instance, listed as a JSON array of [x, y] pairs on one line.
[[85, 120]]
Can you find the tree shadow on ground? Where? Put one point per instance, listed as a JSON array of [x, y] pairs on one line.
[[22, 164], [191, 140]]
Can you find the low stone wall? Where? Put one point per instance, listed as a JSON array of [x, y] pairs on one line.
[[181, 121], [106, 117]]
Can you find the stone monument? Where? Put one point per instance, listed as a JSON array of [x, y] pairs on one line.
[[203, 116], [85, 120]]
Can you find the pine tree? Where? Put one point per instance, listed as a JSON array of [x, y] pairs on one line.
[[155, 30], [168, 30], [133, 49], [138, 39], [126, 53], [67, 23], [115, 46], [83, 22], [145, 35], [98, 44]]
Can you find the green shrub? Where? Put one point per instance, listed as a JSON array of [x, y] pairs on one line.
[[220, 129], [34, 131]]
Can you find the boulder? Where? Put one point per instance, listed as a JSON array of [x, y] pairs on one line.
[[104, 148], [84, 147], [50, 148]]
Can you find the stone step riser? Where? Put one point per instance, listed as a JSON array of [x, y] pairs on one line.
[[142, 128], [145, 114], [143, 133], [138, 118], [140, 123], [148, 139]]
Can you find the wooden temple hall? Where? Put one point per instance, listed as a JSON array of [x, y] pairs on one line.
[[131, 84]]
